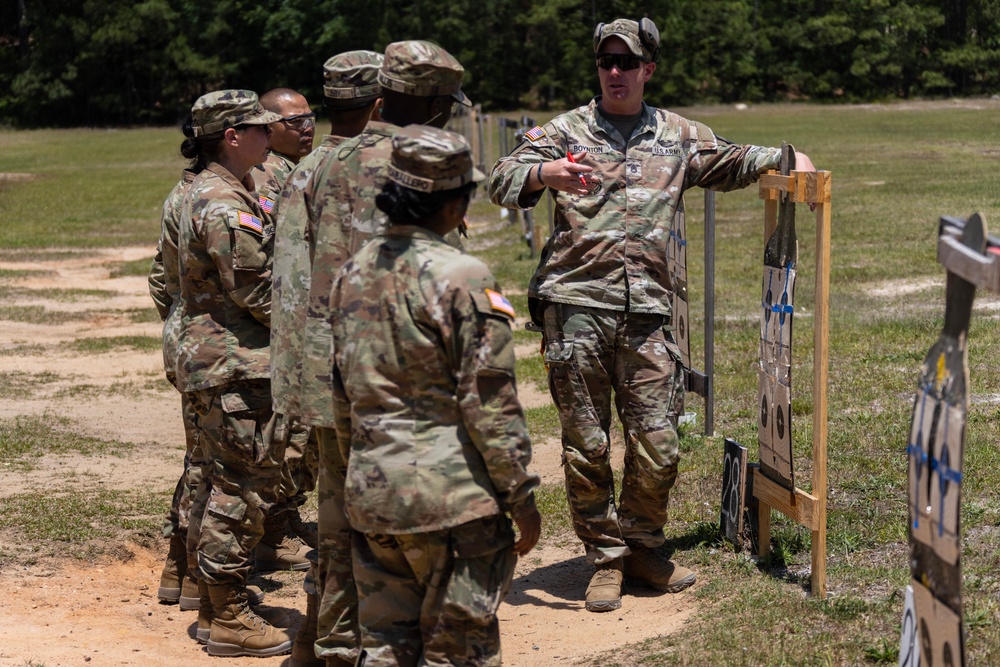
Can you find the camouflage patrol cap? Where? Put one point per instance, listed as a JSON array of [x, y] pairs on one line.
[[423, 69], [427, 159], [351, 76], [629, 32], [214, 112]]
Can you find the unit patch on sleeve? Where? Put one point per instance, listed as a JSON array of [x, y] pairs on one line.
[[499, 302], [534, 134], [251, 222], [265, 203]]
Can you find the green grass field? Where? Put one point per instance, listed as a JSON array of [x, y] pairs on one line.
[[896, 169]]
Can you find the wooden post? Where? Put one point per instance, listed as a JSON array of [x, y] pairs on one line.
[[821, 361], [475, 118], [807, 509]]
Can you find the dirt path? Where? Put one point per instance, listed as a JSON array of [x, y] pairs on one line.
[[63, 612]]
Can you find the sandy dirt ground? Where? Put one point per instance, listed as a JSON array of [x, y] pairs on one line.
[[65, 612]]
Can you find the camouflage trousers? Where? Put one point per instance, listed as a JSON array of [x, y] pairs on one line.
[[242, 473], [590, 352], [299, 469], [432, 598], [337, 634], [178, 516]]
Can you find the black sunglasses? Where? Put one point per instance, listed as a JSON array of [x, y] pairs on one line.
[[623, 61]]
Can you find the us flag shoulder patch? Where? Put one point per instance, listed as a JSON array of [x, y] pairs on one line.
[[534, 134], [251, 222], [500, 303], [265, 203]]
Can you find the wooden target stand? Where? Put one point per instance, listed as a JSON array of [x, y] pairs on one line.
[[806, 509]]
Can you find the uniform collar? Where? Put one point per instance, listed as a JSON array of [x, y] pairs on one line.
[[380, 127], [224, 174], [413, 231], [289, 162], [647, 121]]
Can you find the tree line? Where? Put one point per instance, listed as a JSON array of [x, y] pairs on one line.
[[133, 62]]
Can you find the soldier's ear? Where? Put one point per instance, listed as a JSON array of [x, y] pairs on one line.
[[648, 69], [231, 137]]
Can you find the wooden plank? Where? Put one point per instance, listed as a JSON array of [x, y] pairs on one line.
[[763, 523], [821, 361], [772, 184], [803, 187], [817, 187], [796, 505]]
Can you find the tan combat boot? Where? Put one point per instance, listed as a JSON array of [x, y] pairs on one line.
[[605, 590], [280, 548], [173, 570], [652, 568], [205, 614], [304, 650], [191, 595], [236, 630], [190, 599], [307, 532]]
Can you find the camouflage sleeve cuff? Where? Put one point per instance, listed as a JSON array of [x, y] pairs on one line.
[[765, 157], [524, 507], [507, 182]]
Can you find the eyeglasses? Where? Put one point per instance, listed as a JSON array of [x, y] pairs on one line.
[[623, 61], [300, 122]]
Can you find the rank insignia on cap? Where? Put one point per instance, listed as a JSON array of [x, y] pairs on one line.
[[265, 203], [534, 134], [251, 222], [500, 303]]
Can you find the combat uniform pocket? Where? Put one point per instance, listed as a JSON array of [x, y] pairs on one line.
[[247, 410], [497, 315], [481, 537], [559, 351], [223, 516], [704, 138], [677, 383], [484, 570], [249, 241], [248, 253]]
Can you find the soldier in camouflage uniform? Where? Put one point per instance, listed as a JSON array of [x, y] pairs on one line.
[[350, 95], [602, 295], [429, 481], [291, 140], [164, 288], [224, 250], [178, 581], [325, 213], [287, 539]]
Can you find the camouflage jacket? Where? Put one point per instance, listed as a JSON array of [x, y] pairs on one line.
[[426, 405], [164, 282], [330, 199], [609, 249], [293, 255], [225, 248], [270, 177]]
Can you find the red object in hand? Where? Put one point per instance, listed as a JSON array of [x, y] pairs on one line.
[[583, 179]]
